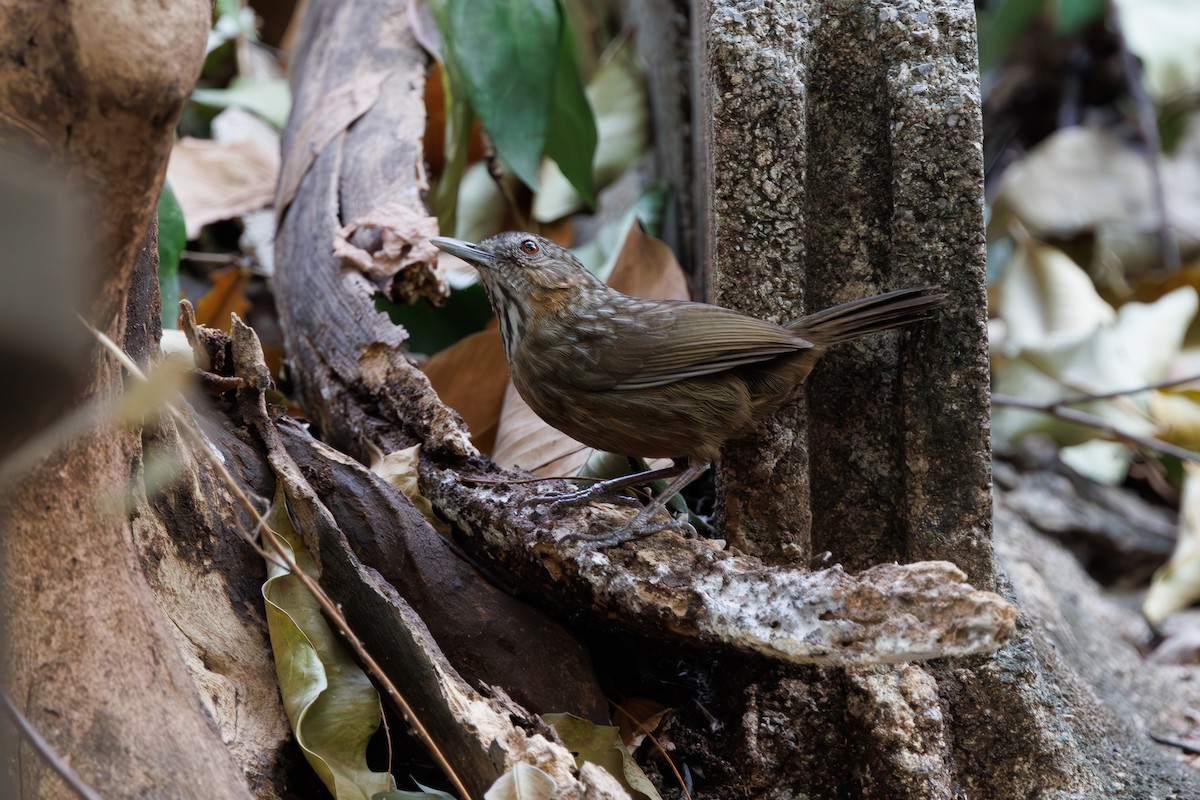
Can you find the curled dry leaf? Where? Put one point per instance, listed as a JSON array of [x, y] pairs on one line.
[[391, 245], [1043, 295], [522, 782], [637, 717], [646, 267], [1084, 179], [1061, 339], [523, 440], [331, 703]]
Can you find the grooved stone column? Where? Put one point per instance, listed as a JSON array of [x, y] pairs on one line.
[[839, 156]]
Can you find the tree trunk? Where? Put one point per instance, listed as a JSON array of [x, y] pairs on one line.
[[91, 95]]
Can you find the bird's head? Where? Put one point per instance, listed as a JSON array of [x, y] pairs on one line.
[[519, 263], [525, 275]]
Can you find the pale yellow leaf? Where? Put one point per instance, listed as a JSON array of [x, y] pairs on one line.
[[399, 468], [1177, 585], [522, 782], [1044, 296]]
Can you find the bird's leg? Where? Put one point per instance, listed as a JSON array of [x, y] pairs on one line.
[[606, 488], [640, 525]]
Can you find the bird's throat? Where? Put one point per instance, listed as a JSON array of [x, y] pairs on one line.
[[510, 314]]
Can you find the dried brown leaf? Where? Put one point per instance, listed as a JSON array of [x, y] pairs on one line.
[[400, 255], [227, 296], [524, 440], [214, 181], [638, 716], [470, 377], [646, 267]]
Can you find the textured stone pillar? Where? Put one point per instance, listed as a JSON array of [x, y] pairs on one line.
[[839, 156]]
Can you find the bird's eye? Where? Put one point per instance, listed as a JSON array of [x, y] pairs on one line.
[[530, 246]]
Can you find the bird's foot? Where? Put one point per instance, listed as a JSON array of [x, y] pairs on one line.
[[637, 528]]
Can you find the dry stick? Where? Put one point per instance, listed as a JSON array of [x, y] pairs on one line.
[[670, 761], [1148, 128], [327, 605], [1190, 748], [46, 750], [1099, 423], [1087, 398]]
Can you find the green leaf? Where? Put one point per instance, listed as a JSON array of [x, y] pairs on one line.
[[571, 134], [617, 96], [429, 331], [1072, 15], [505, 52], [330, 702], [271, 100], [601, 745], [172, 238], [1000, 27]]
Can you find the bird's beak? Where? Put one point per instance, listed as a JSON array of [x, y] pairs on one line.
[[471, 253]]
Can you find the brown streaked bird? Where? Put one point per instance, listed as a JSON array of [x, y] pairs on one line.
[[652, 378]]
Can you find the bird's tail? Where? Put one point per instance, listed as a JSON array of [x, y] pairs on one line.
[[869, 315]]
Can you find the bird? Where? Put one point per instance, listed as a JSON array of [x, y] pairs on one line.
[[652, 378]]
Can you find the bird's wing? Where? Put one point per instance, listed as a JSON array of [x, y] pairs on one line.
[[646, 344]]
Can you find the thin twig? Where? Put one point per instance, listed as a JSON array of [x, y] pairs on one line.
[[1087, 398], [272, 538], [1189, 748], [223, 259], [670, 761], [1148, 128], [1099, 423], [46, 750]]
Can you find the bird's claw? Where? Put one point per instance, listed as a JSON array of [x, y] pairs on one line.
[[627, 533]]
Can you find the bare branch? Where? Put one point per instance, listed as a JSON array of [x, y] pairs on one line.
[[1099, 423], [1150, 387], [694, 591], [46, 750]]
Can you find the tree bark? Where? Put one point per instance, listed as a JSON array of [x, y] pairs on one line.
[[90, 659]]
